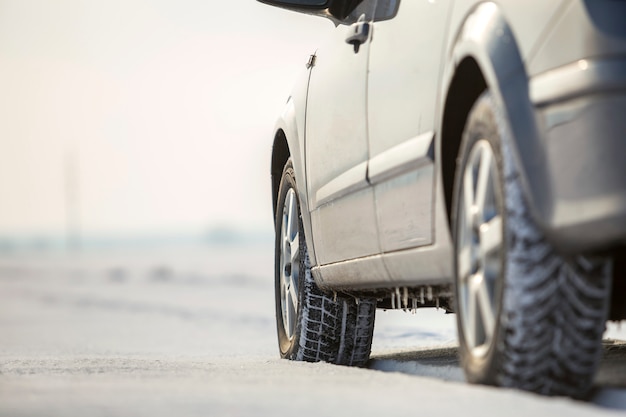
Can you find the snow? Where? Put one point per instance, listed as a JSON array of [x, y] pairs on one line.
[[189, 330]]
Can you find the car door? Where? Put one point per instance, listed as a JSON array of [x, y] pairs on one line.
[[404, 73], [343, 212]]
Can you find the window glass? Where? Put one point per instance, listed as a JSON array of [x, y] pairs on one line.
[[386, 9], [375, 10]]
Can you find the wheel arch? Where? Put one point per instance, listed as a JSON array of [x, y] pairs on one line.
[[288, 143], [484, 54]]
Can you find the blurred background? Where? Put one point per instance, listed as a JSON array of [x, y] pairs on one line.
[[135, 201], [143, 120]]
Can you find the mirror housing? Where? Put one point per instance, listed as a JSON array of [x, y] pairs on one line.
[[340, 9], [335, 10]]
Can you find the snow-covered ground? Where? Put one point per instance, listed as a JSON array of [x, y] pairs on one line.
[[189, 330]]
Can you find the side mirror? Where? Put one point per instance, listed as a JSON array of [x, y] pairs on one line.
[[335, 10]]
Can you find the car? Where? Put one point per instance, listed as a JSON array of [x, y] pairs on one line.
[[467, 155]]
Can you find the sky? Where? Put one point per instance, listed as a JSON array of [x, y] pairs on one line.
[[131, 117]]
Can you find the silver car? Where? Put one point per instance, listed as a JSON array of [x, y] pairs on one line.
[[462, 154]]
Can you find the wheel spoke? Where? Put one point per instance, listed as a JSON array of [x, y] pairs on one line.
[[483, 180], [284, 255], [284, 292], [292, 209], [285, 240], [293, 294], [287, 308], [486, 306], [468, 198], [295, 267], [465, 262], [295, 250], [471, 332], [292, 297], [490, 236]]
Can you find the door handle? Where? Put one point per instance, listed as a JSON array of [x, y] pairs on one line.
[[359, 33]]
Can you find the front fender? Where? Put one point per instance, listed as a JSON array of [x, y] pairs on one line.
[[487, 37], [290, 128]]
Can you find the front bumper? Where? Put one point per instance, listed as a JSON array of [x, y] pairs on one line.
[[581, 109]]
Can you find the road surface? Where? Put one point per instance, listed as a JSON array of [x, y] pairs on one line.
[[189, 331]]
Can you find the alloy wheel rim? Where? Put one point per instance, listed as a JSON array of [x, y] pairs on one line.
[[289, 263], [479, 248]]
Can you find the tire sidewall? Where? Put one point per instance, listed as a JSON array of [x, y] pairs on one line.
[[288, 348]]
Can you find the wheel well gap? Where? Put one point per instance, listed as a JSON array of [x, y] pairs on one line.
[[467, 85], [280, 155]]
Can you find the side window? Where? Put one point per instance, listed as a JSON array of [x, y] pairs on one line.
[[386, 9], [375, 10]]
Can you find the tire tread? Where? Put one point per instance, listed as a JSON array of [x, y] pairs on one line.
[[563, 299], [334, 329]]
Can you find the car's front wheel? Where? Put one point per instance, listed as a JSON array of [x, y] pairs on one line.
[[528, 317], [313, 326]]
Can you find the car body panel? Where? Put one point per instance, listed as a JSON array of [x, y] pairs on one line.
[[375, 194], [402, 88], [343, 212], [591, 29], [581, 108], [579, 94]]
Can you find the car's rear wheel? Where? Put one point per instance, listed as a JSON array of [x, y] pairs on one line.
[[528, 317], [313, 326]]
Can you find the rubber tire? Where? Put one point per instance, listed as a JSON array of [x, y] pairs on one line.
[[336, 329], [551, 310]]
